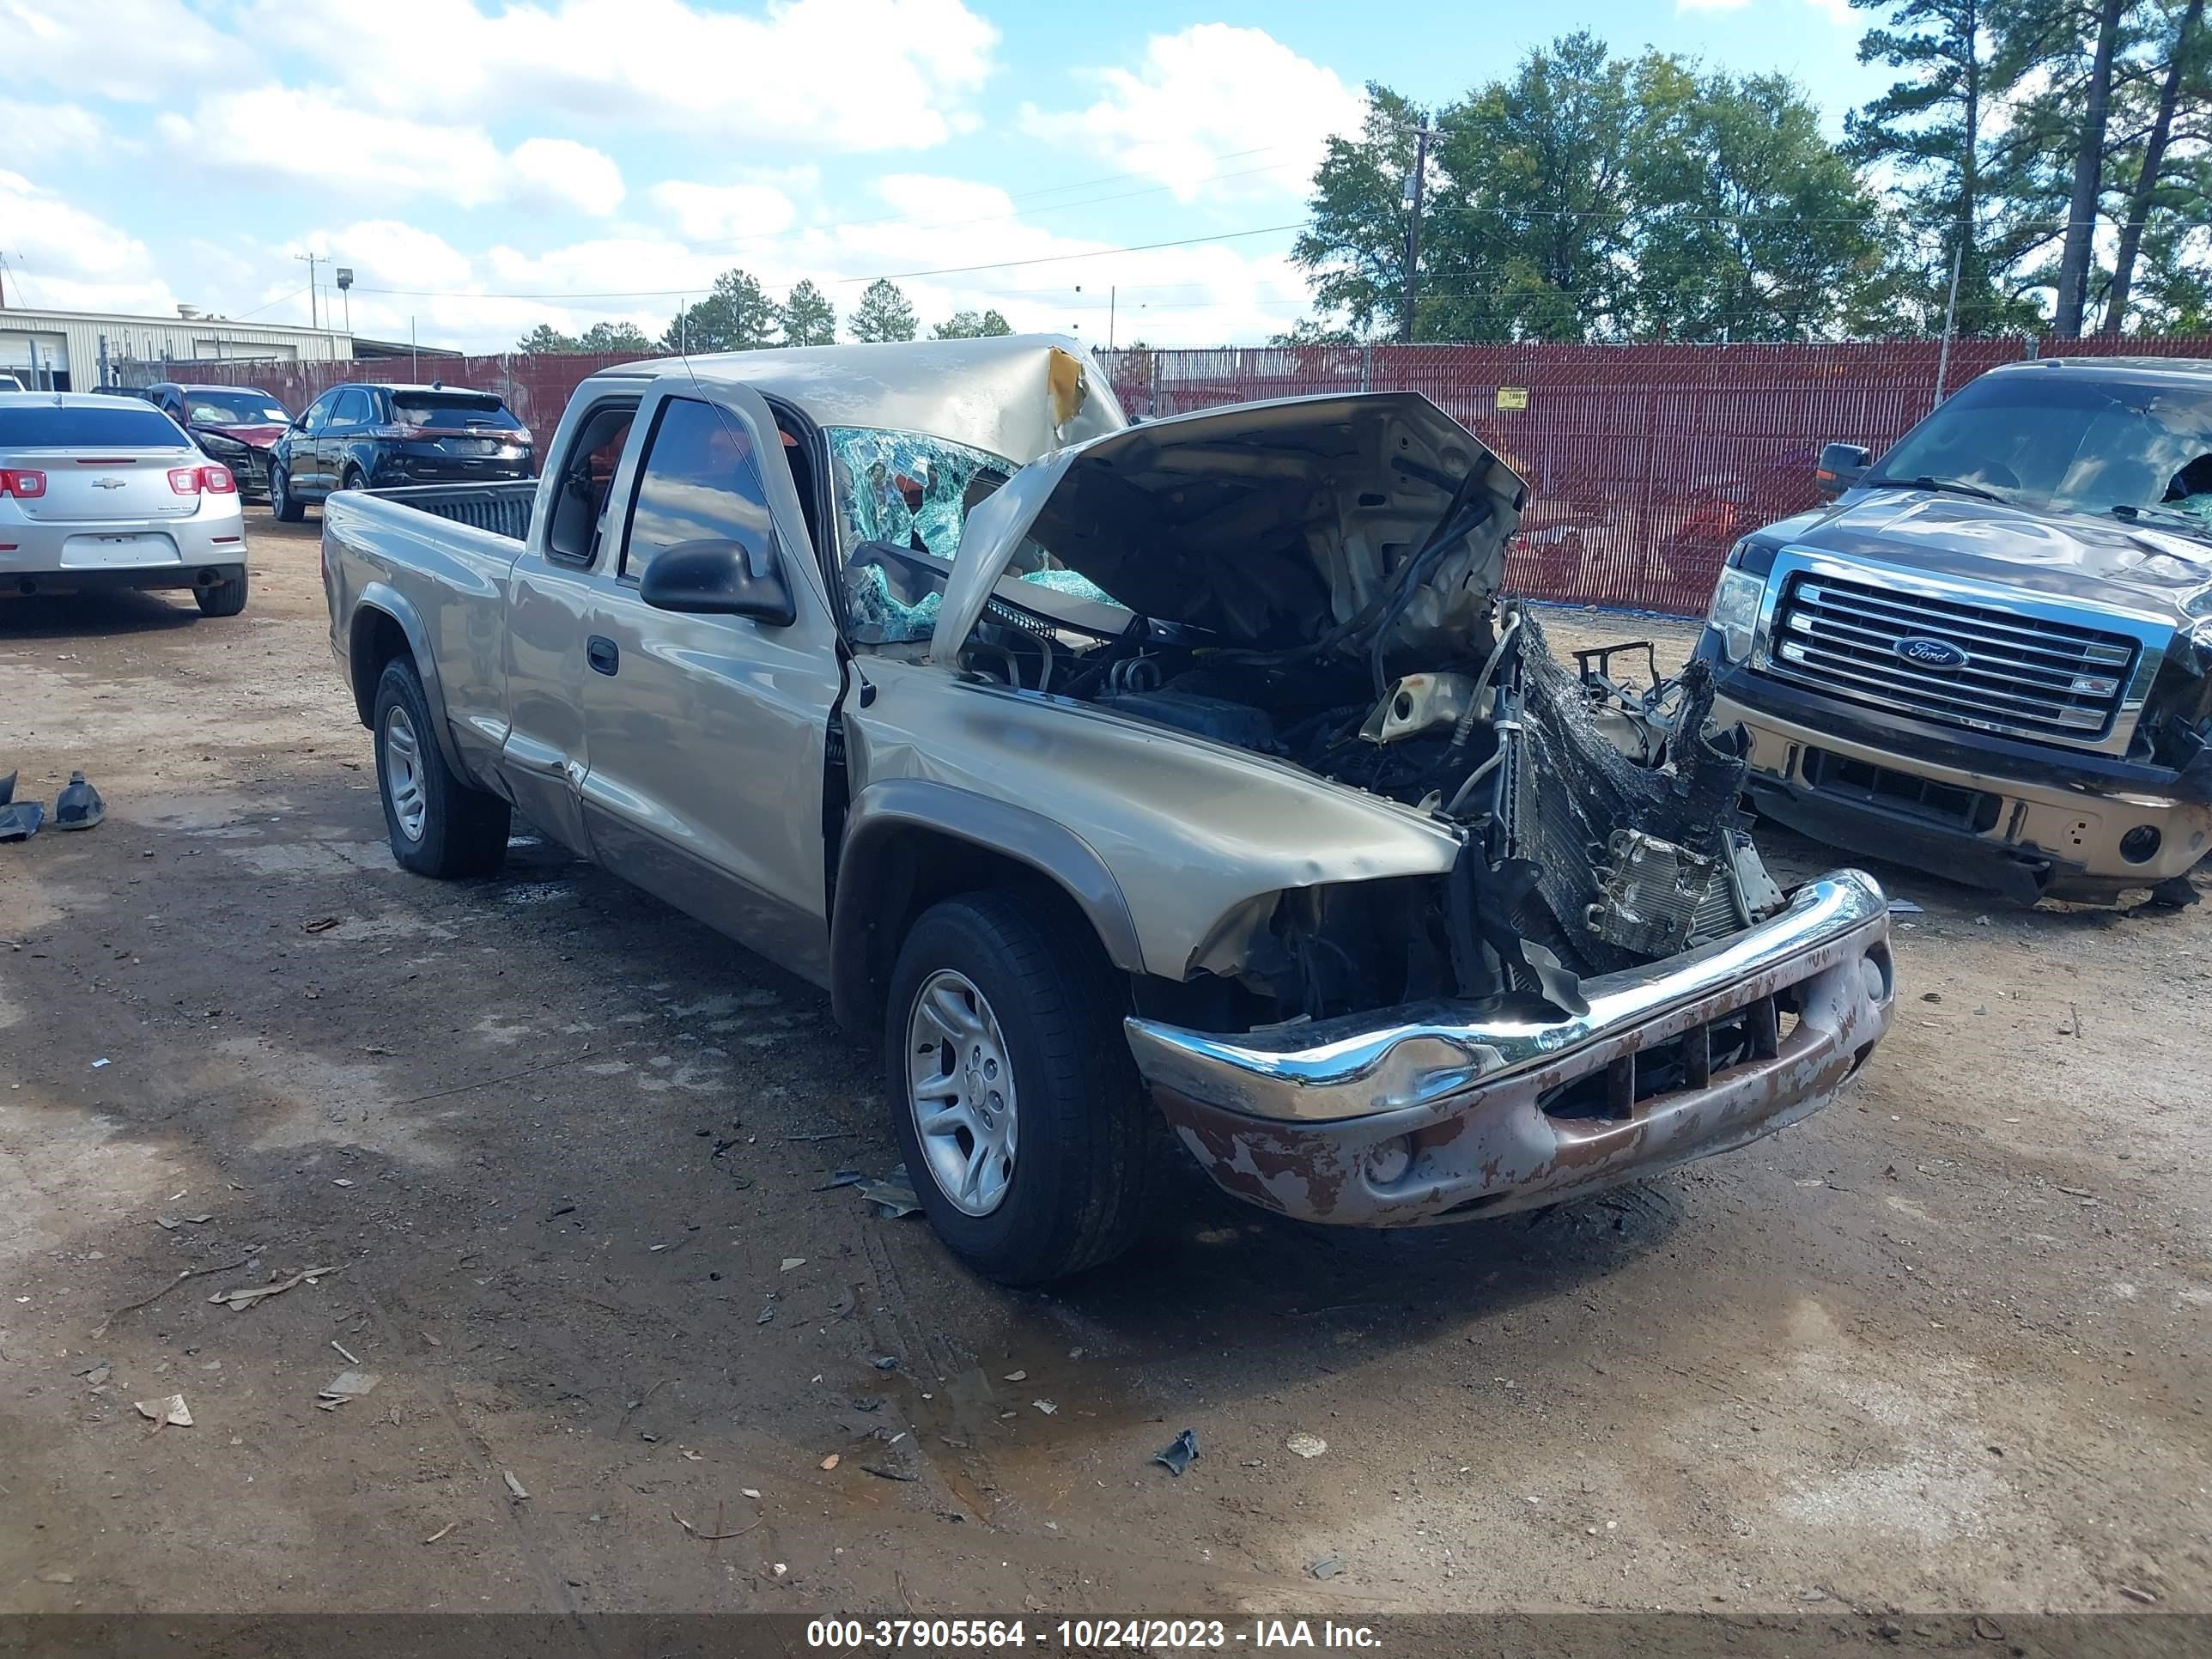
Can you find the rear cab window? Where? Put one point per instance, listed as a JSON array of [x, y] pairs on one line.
[[79, 427], [699, 481]]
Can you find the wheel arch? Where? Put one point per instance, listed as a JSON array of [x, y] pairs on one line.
[[385, 627], [911, 841]]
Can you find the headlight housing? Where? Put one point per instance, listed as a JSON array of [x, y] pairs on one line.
[[215, 444], [1733, 614]]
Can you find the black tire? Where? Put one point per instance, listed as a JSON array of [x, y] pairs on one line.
[[1087, 1165], [285, 506], [457, 831], [353, 480], [223, 599]]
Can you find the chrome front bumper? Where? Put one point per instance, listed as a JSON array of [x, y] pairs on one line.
[[1442, 1110]]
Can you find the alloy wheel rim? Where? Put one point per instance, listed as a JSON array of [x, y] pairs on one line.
[[960, 1089], [403, 774]]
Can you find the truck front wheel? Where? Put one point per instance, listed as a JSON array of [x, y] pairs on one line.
[[439, 825], [1025, 1130]]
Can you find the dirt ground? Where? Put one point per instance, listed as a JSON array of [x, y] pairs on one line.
[[564, 1154]]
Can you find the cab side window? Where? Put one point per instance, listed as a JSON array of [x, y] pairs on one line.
[[319, 412], [700, 480], [351, 408], [580, 508]]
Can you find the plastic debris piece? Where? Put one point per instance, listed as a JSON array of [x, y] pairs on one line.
[[345, 1353], [103, 1060], [79, 805], [830, 1461], [791, 1261], [1045, 1406], [1306, 1445], [1904, 908], [752, 1492], [253, 1294], [513, 1485], [350, 1385], [885, 1362], [1178, 1453], [441, 1532], [318, 925], [169, 1408], [893, 1196], [1018, 1376], [19, 820], [843, 1178], [1328, 1567]]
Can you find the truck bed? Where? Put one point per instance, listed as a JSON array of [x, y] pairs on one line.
[[503, 509]]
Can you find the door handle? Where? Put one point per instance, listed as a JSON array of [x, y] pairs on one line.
[[602, 654]]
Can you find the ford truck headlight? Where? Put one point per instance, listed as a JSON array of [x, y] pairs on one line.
[[1734, 613]]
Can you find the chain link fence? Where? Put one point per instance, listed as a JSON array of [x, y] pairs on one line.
[[1644, 463]]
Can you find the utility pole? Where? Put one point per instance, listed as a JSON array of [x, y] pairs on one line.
[[309, 260], [1415, 181], [1950, 317], [1112, 293]]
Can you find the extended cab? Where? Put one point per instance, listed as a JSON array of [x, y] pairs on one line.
[[1079, 759], [1992, 655]]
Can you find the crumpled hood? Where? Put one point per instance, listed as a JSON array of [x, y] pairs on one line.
[[1265, 524], [2138, 568], [258, 435]]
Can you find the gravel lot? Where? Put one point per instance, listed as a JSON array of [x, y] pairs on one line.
[[1942, 1346]]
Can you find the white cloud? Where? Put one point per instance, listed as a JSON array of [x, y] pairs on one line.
[[835, 74], [356, 152], [53, 132], [1212, 91], [708, 213], [565, 171], [61, 257], [132, 50], [1838, 12]]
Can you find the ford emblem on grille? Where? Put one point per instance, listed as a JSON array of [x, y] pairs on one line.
[[1939, 654]]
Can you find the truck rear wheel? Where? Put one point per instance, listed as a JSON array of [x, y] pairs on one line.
[[1025, 1130], [439, 825]]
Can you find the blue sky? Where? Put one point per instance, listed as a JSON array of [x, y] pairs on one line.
[[484, 166]]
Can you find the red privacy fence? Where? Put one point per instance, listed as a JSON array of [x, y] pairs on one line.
[[1645, 462]]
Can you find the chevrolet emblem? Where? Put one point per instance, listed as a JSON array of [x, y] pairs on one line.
[[107, 483]]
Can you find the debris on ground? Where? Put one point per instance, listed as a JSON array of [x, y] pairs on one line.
[[169, 1224], [56, 1576], [709, 1537], [1018, 1376], [830, 1461], [79, 805], [842, 1178], [345, 1353], [882, 1474], [1179, 1453], [513, 1485], [1045, 1406], [441, 1532], [346, 1385], [1306, 1445], [1328, 1567], [893, 1196], [319, 925], [251, 1294], [885, 1362], [1904, 908], [19, 819], [169, 1408], [791, 1261]]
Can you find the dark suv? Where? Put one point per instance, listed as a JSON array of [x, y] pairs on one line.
[[237, 425], [359, 437]]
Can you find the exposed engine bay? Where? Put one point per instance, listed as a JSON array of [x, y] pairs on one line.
[[1319, 582]]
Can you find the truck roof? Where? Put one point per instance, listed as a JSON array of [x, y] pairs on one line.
[[1012, 395], [2132, 368]]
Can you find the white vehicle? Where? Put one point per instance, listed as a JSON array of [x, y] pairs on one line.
[[10, 382], [107, 493]]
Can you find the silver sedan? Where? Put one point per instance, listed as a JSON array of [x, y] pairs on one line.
[[100, 492]]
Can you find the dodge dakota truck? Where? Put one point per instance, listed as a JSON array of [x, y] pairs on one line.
[[1083, 761], [1992, 656]]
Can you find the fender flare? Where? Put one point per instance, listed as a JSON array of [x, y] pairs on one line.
[[382, 599], [873, 824]]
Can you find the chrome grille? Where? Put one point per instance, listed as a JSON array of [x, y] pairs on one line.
[[2024, 675]]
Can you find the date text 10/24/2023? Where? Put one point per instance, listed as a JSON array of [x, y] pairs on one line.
[[1085, 1635]]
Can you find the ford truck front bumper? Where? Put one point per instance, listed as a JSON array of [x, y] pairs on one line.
[[1445, 1111]]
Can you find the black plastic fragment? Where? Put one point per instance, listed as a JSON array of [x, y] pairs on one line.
[[1177, 1455]]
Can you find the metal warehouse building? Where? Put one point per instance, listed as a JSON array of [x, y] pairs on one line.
[[80, 351]]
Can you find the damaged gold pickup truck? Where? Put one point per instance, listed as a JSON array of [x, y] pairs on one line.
[[1081, 761]]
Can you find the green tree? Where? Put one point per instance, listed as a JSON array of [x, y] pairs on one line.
[[2158, 174], [1353, 246], [882, 313], [544, 340], [809, 318], [737, 315], [615, 338], [1747, 223], [1938, 128], [969, 325]]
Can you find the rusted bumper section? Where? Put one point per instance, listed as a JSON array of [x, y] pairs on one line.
[[1445, 1111]]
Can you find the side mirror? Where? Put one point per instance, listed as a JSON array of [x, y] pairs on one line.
[[716, 579], [1840, 467]]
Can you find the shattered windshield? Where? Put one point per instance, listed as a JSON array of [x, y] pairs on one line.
[[902, 499], [2066, 441]]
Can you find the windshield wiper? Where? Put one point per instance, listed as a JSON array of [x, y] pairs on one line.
[[2164, 517], [1956, 486]]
